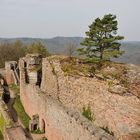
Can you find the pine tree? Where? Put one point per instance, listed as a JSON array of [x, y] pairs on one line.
[[102, 41]]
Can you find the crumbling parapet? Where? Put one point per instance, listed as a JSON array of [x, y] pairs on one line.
[[31, 65], [11, 72], [5, 113], [34, 123], [15, 133], [11, 130], [1, 88]]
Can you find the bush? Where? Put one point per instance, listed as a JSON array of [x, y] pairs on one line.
[[110, 83], [2, 123], [37, 131], [15, 88], [11, 51], [14, 51], [1, 136], [87, 113]]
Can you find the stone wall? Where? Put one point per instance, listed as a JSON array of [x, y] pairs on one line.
[[15, 133], [59, 122], [11, 131], [120, 114], [11, 74], [4, 112]]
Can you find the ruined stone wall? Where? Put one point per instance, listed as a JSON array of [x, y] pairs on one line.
[[2, 71], [119, 114], [61, 123], [4, 112], [11, 76], [11, 131], [15, 133]]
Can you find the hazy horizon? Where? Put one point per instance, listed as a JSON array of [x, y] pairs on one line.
[[53, 18]]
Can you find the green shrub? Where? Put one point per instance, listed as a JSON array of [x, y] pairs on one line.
[[110, 84], [44, 138], [14, 88], [37, 131], [2, 123], [1, 136], [86, 112]]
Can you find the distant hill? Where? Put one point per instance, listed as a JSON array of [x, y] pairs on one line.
[[54, 45], [132, 52], [58, 45]]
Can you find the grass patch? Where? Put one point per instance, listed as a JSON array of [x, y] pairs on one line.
[[14, 88], [36, 68], [38, 131], [86, 112], [2, 123], [76, 66], [1, 136], [44, 138], [19, 107], [21, 112], [53, 68], [115, 71]]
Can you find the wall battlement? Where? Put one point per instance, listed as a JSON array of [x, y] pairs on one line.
[[11, 72]]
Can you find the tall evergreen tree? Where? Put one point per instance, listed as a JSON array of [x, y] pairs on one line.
[[102, 39]]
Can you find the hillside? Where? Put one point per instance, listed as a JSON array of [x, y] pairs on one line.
[[57, 45], [132, 52]]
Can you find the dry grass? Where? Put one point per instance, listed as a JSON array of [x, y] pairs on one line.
[[75, 66]]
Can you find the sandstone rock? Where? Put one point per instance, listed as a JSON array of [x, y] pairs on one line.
[[109, 109], [118, 89]]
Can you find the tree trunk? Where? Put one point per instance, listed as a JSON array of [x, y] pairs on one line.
[[101, 54]]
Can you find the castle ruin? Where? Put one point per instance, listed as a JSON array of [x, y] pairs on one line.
[[53, 101]]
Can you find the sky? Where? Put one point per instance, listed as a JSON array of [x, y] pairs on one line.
[[50, 18]]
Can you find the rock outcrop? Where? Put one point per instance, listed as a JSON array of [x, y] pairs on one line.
[[119, 113], [57, 99]]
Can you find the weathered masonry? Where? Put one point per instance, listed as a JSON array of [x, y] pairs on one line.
[[47, 113]]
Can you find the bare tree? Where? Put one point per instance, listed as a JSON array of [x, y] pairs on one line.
[[70, 49]]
